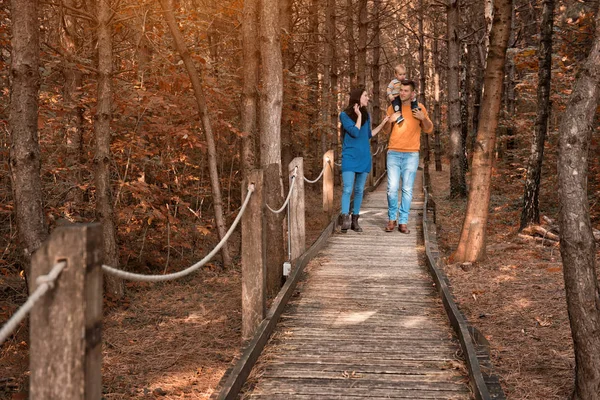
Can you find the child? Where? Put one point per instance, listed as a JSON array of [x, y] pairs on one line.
[[393, 92]]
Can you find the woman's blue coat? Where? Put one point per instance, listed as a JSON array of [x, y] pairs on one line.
[[356, 150]]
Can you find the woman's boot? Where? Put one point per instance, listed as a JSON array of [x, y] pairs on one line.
[[355, 227], [345, 222]]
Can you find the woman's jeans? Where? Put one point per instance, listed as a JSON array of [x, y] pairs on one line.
[[358, 180], [400, 166]]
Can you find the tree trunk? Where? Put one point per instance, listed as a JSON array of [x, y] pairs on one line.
[[464, 102], [287, 144], [422, 87], [195, 78], [328, 44], [351, 45], [458, 186], [477, 89], [23, 121], [270, 140], [104, 204], [471, 246], [362, 42], [313, 82], [375, 71], [251, 57], [333, 115], [73, 121], [531, 201], [577, 243], [437, 112]]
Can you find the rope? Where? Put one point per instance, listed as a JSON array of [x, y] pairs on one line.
[[289, 196], [158, 278], [44, 282], [319, 177]]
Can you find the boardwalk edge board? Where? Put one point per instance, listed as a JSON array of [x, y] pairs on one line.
[[473, 344], [234, 378]]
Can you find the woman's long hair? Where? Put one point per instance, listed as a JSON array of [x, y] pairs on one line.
[[355, 95]]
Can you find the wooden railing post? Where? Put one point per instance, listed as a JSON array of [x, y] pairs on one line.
[[297, 225], [328, 164], [66, 323], [254, 270]]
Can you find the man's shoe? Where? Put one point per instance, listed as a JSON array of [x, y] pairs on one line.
[[403, 228], [391, 225]]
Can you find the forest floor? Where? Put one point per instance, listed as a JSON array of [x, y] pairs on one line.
[[175, 340], [170, 340], [516, 296]]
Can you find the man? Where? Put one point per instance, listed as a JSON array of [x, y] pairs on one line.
[[403, 156]]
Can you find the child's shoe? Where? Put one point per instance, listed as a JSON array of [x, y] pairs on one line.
[[414, 104], [400, 119]]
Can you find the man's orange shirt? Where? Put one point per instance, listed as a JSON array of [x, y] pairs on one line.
[[406, 136]]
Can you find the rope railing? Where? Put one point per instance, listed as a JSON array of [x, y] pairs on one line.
[[287, 200], [320, 175], [45, 282], [159, 278]]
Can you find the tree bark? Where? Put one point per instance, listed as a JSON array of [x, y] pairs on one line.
[[270, 140], [422, 88], [102, 158], [326, 102], [73, 121], [464, 103], [362, 42], [531, 202], [25, 160], [471, 246], [437, 112], [458, 186], [375, 71], [251, 60], [195, 78], [351, 44], [314, 130], [287, 143], [577, 243]]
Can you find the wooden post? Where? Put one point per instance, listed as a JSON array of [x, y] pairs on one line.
[[328, 182], [254, 270], [297, 225], [66, 323]]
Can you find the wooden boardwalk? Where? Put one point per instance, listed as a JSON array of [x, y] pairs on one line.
[[365, 323]]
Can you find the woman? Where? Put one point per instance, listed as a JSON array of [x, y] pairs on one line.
[[356, 154]]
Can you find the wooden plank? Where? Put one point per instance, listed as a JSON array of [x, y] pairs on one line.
[[439, 377], [353, 385], [412, 395]]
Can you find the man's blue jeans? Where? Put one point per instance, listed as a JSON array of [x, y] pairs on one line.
[[358, 180], [400, 166]]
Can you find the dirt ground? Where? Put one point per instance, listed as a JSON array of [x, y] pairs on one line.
[[515, 297]]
